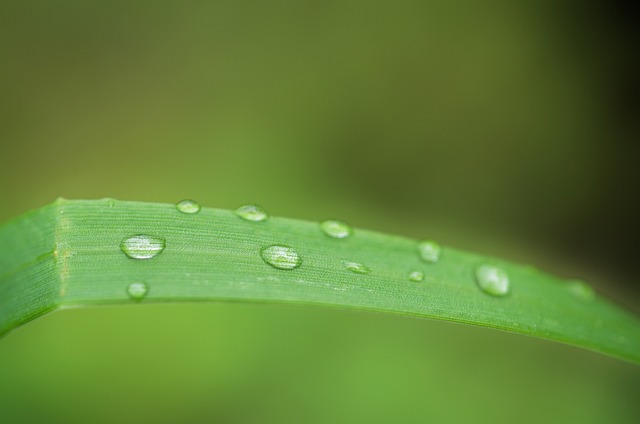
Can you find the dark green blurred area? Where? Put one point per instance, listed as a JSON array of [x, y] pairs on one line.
[[507, 128]]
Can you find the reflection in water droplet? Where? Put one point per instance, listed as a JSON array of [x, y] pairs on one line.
[[416, 276], [137, 291], [252, 213], [581, 290], [336, 229], [429, 251], [356, 267], [143, 246], [188, 206], [492, 280], [281, 257]]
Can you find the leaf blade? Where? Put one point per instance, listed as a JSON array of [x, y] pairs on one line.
[[68, 254]]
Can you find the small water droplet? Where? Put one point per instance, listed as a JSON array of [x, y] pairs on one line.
[[188, 206], [336, 229], [281, 257], [356, 267], [416, 276], [492, 280], [137, 291], [143, 246], [429, 251], [581, 290], [252, 212]]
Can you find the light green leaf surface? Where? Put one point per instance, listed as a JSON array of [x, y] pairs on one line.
[[74, 253]]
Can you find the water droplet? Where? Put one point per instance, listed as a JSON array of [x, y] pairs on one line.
[[356, 267], [137, 291], [336, 229], [416, 276], [143, 246], [429, 251], [492, 280], [188, 206], [281, 257], [581, 290], [252, 213]]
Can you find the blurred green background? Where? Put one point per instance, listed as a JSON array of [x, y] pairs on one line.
[[507, 128]]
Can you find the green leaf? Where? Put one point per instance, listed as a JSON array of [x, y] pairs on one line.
[[73, 253]]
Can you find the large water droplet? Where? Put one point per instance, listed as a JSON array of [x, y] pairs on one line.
[[416, 276], [137, 291], [356, 267], [143, 246], [188, 206], [492, 280], [252, 213], [336, 229], [429, 251], [281, 257], [581, 290]]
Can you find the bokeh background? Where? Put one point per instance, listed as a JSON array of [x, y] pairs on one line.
[[507, 128]]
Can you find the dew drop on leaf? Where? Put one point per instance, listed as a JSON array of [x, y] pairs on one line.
[[356, 267], [429, 251], [143, 246], [335, 229], [416, 276], [281, 257], [188, 206], [581, 290], [252, 212], [137, 291], [492, 280]]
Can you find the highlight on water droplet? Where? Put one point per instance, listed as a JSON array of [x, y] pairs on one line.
[[137, 291], [416, 276], [429, 251], [143, 246], [581, 290], [281, 256], [252, 212], [336, 229], [356, 267], [492, 280], [188, 206]]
